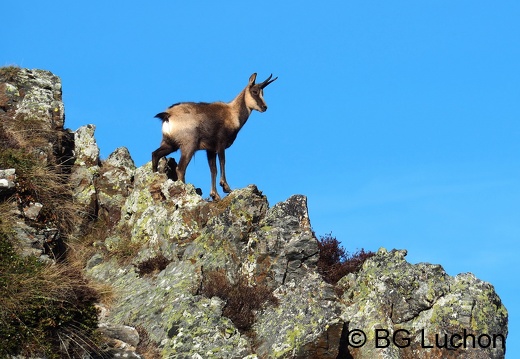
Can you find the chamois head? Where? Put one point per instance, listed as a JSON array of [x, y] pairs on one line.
[[254, 93]]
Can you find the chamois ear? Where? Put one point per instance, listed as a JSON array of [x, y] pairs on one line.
[[252, 79]]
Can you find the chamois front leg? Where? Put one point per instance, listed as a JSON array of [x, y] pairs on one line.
[[212, 161], [223, 181]]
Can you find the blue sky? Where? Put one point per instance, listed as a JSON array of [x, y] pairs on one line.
[[399, 120]]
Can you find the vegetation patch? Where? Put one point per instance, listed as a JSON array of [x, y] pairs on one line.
[[9, 73], [153, 265], [40, 177], [122, 247], [147, 348], [242, 300], [334, 262], [45, 310]]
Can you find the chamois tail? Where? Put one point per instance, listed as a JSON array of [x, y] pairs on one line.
[[163, 116]]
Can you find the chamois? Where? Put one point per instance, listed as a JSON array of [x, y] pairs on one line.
[[208, 126]]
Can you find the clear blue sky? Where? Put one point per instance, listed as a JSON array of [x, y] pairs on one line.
[[398, 119]]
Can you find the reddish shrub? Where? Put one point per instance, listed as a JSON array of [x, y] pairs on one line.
[[334, 262], [242, 299], [153, 265]]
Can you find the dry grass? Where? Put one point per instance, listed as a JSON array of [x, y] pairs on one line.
[[80, 250], [27, 145], [43, 306]]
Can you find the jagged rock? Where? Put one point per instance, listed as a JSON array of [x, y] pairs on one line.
[[84, 172], [268, 245], [226, 233], [123, 333], [239, 234], [32, 100], [45, 243], [419, 302], [305, 324], [113, 184], [160, 214], [120, 158], [86, 150], [286, 238], [32, 210], [36, 94], [276, 247], [7, 182]]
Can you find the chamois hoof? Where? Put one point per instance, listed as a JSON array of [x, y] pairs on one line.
[[225, 188]]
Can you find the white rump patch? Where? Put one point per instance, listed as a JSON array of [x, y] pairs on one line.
[[167, 127]]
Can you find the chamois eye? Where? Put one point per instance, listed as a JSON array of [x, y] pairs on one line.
[[254, 91]]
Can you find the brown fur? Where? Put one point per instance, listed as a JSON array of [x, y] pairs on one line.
[[212, 127]]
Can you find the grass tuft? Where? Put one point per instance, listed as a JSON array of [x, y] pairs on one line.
[[42, 305]]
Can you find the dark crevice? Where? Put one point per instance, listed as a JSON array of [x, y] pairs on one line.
[[343, 352]]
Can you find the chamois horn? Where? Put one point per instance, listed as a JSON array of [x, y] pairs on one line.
[[267, 82]]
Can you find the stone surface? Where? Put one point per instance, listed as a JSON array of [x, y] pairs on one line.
[[31, 100], [7, 181], [34, 94], [84, 172], [305, 324], [32, 210], [113, 185], [421, 301]]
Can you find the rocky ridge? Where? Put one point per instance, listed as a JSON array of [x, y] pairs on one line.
[[161, 239]]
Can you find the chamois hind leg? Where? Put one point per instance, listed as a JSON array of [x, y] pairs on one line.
[[164, 150], [223, 181], [186, 155], [212, 161]]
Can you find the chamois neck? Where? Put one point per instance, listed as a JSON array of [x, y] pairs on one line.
[[240, 108]]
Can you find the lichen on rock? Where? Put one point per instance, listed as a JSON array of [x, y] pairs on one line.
[[422, 303]]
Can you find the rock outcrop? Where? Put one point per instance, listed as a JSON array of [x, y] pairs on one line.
[[162, 241]]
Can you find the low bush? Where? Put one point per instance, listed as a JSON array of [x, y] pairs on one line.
[[334, 262], [153, 265], [242, 299], [9, 73]]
